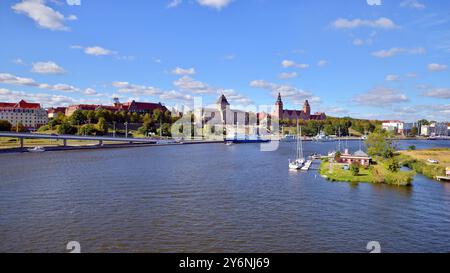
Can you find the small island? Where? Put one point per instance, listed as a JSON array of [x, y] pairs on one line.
[[380, 165]]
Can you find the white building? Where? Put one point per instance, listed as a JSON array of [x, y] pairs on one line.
[[30, 115], [395, 126]]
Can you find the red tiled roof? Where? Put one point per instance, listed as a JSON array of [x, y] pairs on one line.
[[21, 104]]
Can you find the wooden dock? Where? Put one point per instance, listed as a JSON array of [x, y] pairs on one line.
[[443, 178]]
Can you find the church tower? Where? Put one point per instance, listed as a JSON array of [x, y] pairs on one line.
[[224, 106], [307, 109], [278, 111]]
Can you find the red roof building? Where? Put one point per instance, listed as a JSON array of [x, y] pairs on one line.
[[30, 115]]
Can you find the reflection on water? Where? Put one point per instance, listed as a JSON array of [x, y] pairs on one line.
[[210, 198]]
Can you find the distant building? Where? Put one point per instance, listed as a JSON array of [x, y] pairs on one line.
[[294, 115], [358, 156], [425, 130], [53, 112], [395, 126], [141, 107], [30, 115], [133, 107]]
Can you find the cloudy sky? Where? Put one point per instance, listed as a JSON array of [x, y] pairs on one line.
[[365, 58]]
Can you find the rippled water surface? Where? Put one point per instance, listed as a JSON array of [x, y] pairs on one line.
[[213, 197]]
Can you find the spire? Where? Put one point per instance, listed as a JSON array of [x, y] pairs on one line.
[[222, 100], [279, 101]]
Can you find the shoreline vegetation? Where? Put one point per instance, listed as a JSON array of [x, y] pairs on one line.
[[417, 161]]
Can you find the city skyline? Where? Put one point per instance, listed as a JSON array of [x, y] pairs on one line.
[[368, 59]]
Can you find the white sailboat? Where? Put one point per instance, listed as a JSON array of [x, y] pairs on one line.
[[300, 159]]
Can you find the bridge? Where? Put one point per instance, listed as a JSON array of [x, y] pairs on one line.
[[64, 138]]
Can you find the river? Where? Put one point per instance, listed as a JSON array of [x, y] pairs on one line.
[[210, 198]]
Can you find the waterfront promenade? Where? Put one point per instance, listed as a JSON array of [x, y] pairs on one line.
[[102, 142]]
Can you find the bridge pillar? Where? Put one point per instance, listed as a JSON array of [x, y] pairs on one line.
[[64, 142], [100, 142], [21, 142]]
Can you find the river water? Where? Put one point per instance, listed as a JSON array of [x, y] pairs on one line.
[[210, 198]]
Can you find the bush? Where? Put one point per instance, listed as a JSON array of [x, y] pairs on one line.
[[354, 168], [393, 165], [66, 129], [102, 126], [5, 125], [412, 148], [87, 130]]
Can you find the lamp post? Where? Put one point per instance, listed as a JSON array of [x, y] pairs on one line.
[[126, 129], [114, 129]]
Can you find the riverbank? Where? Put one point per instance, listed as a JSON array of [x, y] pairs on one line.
[[377, 173], [53, 145], [417, 160]]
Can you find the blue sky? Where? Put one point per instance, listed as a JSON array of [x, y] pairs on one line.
[[363, 58]]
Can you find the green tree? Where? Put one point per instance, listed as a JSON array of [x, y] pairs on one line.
[[66, 129], [354, 168], [393, 165], [379, 143], [411, 147], [87, 130], [91, 117], [157, 115], [77, 118], [44, 128], [5, 125], [414, 131], [165, 129], [102, 126]]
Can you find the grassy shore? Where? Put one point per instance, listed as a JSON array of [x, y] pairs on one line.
[[417, 160], [377, 173]]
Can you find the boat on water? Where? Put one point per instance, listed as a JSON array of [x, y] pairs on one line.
[[228, 143], [242, 139], [321, 137], [316, 156], [297, 164], [37, 149], [289, 138]]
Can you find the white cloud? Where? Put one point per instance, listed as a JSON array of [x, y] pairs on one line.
[[47, 68], [235, 98], [396, 50], [413, 4], [187, 83], [381, 97], [7, 78], [442, 93], [43, 15], [358, 42], [98, 51], [217, 4], [287, 91], [182, 71], [374, 2], [137, 90], [175, 95], [322, 63], [382, 23], [392, 78], [288, 75], [174, 3], [18, 61], [289, 63], [437, 67]]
